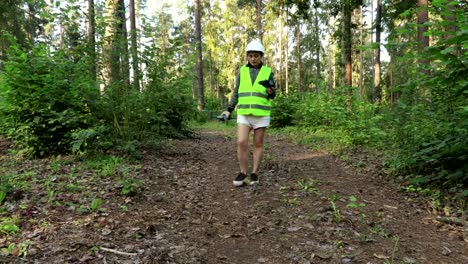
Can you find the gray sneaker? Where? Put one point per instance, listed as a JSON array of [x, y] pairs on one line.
[[239, 180]]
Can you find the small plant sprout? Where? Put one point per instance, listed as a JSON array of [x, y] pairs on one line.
[[130, 185], [336, 211], [379, 230], [307, 186], [353, 203], [292, 201], [95, 204], [9, 225], [3, 195], [20, 250], [396, 240]]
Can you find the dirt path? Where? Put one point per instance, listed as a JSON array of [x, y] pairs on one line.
[[309, 208]]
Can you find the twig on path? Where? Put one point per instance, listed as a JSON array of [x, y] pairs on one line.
[[117, 252], [451, 220], [210, 217]]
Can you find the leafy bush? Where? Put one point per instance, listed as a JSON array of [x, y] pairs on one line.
[[324, 119], [322, 109], [283, 110], [45, 98], [160, 110], [430, 127], [49, 105]]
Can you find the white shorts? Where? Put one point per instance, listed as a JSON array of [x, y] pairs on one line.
[[254, 121]]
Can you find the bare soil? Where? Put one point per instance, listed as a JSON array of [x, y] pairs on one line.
[[309, 207]]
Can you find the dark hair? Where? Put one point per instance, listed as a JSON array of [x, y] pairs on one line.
[[255, 51]]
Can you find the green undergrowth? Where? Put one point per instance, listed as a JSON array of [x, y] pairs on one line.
[[213, 123], [77, 185]]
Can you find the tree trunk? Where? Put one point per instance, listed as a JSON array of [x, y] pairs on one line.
[[371, 34], [331, 56], [280, 50], [423, 17], [361, 52], [451, 28], [134, 47], [201, 97], [377, 69], [286, 78], [317, 50], [125, 65], [92, 38], [299, 55], [347, 60], [31, 30], [259, 20], [111, 51], [451, 19]]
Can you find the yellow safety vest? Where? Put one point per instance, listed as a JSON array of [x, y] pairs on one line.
[[253, 98]]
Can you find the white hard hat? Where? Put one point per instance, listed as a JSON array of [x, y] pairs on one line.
[[255, 45]]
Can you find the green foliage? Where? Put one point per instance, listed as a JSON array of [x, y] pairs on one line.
[[50, 104], [429, 124], [3, 195], [424, 130], [130, 185], [332, 198], [95, 204], [322, 119], [107, 166], [307, 186], [5, 188], [19, 250], [12, 182], [45, 98], [317, 110], [284, 109], [133, 115], [128, 117], [353, 203], [86, 138], [9, 225]]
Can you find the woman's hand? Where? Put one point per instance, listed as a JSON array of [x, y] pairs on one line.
[[226, 113]]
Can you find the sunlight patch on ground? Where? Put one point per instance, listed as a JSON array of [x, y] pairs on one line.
[[305, 156]]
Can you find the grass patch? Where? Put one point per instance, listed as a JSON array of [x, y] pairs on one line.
[[330, 140], [215, 125]]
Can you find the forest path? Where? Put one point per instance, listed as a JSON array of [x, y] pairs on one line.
[[308, 208]]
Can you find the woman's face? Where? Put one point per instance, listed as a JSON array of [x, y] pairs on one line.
[[254, 58]]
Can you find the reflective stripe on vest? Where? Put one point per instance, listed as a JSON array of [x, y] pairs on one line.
[[253, 94], [256, 106], [253, 98]]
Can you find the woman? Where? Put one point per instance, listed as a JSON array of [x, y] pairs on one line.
[[255, 87]]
